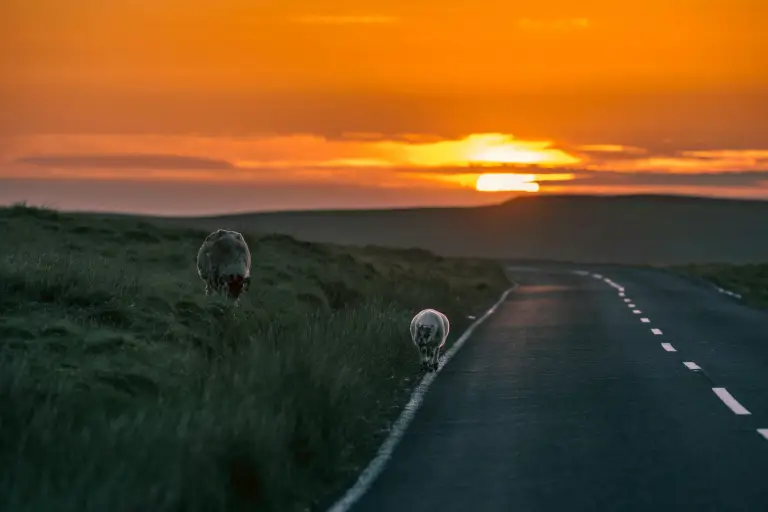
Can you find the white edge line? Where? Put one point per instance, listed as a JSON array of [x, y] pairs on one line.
[[376, 466], [763, 432], [728, 292], [691, 365], [668, 347], [731, 402]]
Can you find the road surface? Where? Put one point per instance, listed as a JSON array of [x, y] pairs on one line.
[[577, 396]]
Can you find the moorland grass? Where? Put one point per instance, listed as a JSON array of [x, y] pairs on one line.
[[750, 281], [124, 388]]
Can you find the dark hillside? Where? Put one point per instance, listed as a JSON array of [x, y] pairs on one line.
[[600, 229]]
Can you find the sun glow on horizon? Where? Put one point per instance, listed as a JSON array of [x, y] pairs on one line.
[[480, 149], [498, 148], [498, 182]]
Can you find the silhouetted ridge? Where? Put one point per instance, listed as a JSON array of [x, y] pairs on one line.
[[629, 229]]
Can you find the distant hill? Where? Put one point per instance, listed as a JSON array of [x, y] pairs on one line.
[[644, 229]]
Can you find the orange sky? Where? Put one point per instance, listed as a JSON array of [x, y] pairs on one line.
[[376, 103]]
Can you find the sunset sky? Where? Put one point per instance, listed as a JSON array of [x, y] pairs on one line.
[[184, 107]]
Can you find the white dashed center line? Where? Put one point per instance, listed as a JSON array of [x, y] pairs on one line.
[[721, 393], [731, 402]]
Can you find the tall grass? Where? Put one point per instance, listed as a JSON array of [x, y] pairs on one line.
[[124, 388], [750, 280]]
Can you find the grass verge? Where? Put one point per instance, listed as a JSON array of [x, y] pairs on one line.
[[124, 388], [749, 281]]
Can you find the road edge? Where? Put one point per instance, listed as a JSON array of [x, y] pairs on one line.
[[384, 453], [703, 281]]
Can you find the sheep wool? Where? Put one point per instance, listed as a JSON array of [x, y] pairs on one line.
[[224, 263], [429, 330]]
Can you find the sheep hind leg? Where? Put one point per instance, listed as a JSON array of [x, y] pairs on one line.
[[423, 359], [431, 359], [429, 356]]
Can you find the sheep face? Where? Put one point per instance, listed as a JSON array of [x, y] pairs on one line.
[[233, 285], [424, 335]]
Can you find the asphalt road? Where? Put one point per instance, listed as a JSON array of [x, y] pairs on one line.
[[565, 399]]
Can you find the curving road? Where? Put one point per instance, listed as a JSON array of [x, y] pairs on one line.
[[577, 396]]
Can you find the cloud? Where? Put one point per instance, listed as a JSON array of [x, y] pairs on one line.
[[377, 160], [344, 20], [741, 154], [714, 179], [598, 179], [125, 161], [733, 161], [606, 177], [611, 148], [414, 138]]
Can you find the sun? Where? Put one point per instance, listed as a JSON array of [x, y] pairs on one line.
[[498, 182]]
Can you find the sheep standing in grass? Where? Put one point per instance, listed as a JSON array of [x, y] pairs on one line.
[[429, 330], [224, 264]]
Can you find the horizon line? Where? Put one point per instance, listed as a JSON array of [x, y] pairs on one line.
[[523, 196]]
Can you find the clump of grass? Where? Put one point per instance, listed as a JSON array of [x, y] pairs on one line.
[[750, 281], [125, 388]]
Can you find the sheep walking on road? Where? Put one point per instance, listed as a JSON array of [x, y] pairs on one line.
[[224, 264], [429, 330]]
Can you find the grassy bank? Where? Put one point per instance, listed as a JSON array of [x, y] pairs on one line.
[[749, 281], [124, 388]]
